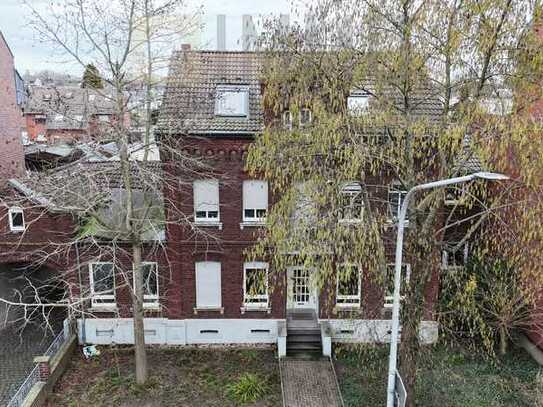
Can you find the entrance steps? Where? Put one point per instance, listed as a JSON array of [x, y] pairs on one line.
[[303, 335]]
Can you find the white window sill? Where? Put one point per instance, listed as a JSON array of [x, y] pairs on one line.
[[350, 221], [255, 308], [347, 307], [103, 308], [152, 306], [208, 224], [17, 230], [252, 224], [208, 309]]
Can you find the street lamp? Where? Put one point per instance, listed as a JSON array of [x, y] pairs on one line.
[[491, 176]]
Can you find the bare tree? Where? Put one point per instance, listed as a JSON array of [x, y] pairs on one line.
[[124, 205]]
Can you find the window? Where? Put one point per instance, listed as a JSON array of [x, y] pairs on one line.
[[286, 119], [91, 98], [16, 219], [348, 286], [232, 101], [206, 201], [452, 259], [396, 197], [255, 287], [59, 117], [102, 283], [103, 118], [352, 203], [150, 283], [41, 138], [358, 103], [47, 97], [305, 117], [208, 284], [255, 201], [389, 282]]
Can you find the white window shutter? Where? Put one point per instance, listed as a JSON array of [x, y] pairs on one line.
[[255, 194], [208, 284], [206, 195]]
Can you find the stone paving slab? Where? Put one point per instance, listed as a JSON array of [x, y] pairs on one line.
[[309, 383]]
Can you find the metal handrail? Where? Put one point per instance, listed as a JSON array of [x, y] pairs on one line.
[[19, 397]]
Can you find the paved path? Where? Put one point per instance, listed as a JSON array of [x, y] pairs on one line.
[[309, 383], [17, 351]]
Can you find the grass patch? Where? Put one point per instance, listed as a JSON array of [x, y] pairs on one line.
[[178, 377], [248, 388], [446, 377]]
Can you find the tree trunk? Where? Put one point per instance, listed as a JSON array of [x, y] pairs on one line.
[[503, 341], [137, 305]]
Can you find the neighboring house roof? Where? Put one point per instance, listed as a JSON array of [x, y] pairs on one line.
[[68, 107], [81, 186], [190, 95]]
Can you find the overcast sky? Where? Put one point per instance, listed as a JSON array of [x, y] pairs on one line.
[[33, 56]]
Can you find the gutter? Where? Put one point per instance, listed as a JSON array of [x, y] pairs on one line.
[[40, 199]]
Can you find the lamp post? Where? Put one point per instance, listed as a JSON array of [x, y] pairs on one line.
[[398, 267]]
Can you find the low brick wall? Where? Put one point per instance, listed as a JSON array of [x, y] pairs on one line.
[[51, 369]]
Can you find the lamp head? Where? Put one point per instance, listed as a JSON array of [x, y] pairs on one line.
[[491, 176]]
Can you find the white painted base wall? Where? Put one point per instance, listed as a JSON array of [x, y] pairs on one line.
[[106, 331], [178, 331], [375, 331]]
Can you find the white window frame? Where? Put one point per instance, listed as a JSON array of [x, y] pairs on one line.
[[254, 219], [303, 124], [107, 300], [445, 258], [241, 91], [353, 190], [14, 210], [207, 219], [350, 300], [354, 107], [396, 188], [199, 305], [247, 298], [405, 281], [286, 119], [149, 300]]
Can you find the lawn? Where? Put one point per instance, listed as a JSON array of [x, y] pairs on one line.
[[178, 377], [448, 378]]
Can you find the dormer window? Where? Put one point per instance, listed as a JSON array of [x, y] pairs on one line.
[[358, 103], [232, 101]]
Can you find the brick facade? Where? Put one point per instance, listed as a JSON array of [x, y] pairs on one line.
[[11, 149]]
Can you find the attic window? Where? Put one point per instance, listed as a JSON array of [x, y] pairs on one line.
[[358, 103], [47, 97], [232, 101]]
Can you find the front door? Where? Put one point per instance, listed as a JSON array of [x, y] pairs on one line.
[[302, 293]]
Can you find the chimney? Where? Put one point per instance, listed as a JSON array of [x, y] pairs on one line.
[[185, 47], [221, 32]]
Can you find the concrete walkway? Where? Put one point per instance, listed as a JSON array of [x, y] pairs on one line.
[[309, 383]]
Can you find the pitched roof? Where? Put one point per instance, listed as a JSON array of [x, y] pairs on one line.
[[189, 99], [68, 107]]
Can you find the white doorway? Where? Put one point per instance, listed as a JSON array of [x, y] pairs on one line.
[[302, 292]]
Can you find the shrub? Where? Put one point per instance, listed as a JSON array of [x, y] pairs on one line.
[[248, 388]]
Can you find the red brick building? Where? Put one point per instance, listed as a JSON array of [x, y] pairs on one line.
[[67, 113], [201, 287], [11, 149]]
